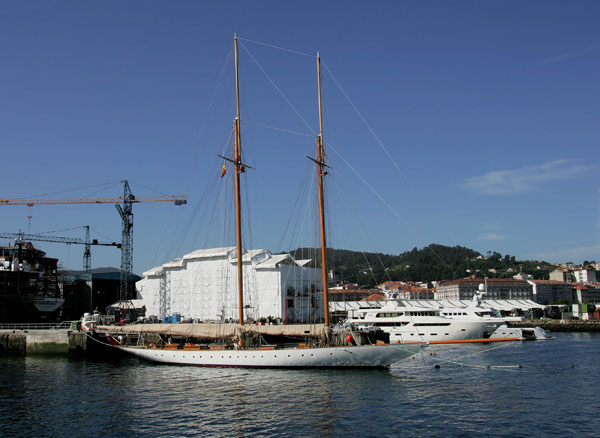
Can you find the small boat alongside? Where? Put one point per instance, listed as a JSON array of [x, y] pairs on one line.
[[522, 333], [503, 331]]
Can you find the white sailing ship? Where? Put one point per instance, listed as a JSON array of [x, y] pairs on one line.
[[241, 345]]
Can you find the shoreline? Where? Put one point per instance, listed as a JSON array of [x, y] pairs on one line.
[[557, 325]]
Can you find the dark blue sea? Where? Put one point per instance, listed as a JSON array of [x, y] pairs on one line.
[[555, 393]]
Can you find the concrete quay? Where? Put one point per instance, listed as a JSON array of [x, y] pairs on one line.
[[51, 341], [25, 342], [557, 325]]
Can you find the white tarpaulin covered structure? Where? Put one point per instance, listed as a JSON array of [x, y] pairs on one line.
[[202, 285]]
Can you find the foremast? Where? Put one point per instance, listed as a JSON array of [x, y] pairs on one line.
[[239, 168]]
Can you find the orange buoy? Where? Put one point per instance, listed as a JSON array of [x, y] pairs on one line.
[[349, 338]]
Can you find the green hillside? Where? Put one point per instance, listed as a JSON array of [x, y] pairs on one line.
[[434, 262]]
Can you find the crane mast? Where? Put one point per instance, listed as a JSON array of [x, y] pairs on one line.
[[126, 213]]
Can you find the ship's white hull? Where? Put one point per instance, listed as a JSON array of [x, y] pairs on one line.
[[371, 356], [453, 331], [48, 304]]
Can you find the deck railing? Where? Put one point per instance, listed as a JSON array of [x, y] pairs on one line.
[[63, 325]]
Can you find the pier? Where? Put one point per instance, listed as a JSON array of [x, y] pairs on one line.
[[557, 325], [25, 339]]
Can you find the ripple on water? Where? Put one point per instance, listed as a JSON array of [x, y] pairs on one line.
[[54, 397]]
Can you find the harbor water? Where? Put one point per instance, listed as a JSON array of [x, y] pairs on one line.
[[539, 388]]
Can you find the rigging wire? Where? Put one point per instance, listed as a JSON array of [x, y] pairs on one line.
[[365, 122], [362, 224], [217, 86], [392, 209], [369, 128], [375, 192], [458, 361], [69, 190], [313, 132], [278, 89], [104, 236], [149, 188], [276, 47], [58, 231], [277, 129], [178, 242], [301, 194], [103, 189]]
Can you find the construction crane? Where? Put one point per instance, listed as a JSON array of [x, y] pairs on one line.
[[124, 205]]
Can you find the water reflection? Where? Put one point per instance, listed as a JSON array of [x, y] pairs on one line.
[[53, 397]]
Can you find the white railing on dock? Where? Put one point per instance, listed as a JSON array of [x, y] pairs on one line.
[[63, 325]]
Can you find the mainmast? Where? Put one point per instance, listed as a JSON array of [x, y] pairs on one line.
[[321, 163], [239, 168]]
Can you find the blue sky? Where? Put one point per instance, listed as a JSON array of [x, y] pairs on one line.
[[461, 123]]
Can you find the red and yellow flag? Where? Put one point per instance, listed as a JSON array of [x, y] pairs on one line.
[[223, 170]]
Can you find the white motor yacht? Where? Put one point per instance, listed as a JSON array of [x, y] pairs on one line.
[[406, 323]]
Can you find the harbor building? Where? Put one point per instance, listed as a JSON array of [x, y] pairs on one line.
[[202, 285], [349, 292], [585, 275], [588, 293], [497, 289], [565, 275], [407, 290], [545, 291]]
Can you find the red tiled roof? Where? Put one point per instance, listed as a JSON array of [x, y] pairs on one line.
[[350, 291], [477, 281], [548, 282], [374, 297]]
